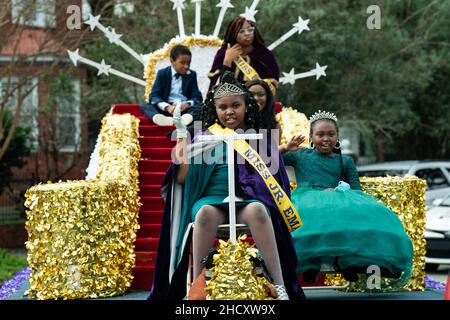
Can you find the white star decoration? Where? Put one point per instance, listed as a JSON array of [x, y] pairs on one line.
[[319, 71], [112, 36], [249, 14], [74, 56], [301, 25], [103, 68], [288, 77], [177, 4], [225, 4], [93, 21]]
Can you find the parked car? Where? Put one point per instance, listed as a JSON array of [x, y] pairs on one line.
[[437, 233], [436, 174]]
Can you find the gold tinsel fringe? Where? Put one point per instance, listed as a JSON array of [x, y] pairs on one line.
[[233, 276], [293, 123], [81, 233]]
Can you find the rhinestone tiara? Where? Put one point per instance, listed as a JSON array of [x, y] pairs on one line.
[[228, 89], [320, 115]]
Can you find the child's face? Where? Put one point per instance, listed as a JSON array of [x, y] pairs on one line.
[[260, 95], [324, 136], [182, 63], [231, 111]]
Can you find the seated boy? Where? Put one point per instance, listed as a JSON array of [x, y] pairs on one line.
[[173, 85]]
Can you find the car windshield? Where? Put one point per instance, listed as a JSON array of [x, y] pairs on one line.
[[382, 173]]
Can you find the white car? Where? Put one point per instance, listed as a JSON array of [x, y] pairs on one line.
[[437, 233], [436, 174]]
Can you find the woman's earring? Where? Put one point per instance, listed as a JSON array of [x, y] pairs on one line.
[[311, 144], [338, 145]]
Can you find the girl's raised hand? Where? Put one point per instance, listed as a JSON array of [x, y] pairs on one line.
[[295, 142]]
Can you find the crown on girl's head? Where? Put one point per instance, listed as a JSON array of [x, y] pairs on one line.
[[228, 89], [321, 115]]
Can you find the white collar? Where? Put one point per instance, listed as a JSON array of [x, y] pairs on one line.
[[174, 71]]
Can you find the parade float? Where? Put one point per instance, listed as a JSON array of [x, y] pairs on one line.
[[98, 237]]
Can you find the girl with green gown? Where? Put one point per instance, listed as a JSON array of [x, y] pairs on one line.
[[343, 227]]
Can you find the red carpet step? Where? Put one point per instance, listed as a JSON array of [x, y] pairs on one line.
[[150, 217], [155, 159], [146, 244]]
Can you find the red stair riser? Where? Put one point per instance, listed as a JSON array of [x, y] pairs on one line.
[[146, 244], [151, 178], [145, 258], [152, 203], [156, 153], [154, 165], [133, 109], [149, 230], [143, 278], [144, 121], [154, 131], [150, 217], [155, 142], [150, 190]]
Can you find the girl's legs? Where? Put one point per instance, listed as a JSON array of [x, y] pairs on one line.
[[255, 216], [206, 222]]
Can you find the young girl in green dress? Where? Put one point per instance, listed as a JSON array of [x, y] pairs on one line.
[[342, 226]]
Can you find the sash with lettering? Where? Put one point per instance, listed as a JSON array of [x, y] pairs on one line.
[[284, 204], [251, 73]]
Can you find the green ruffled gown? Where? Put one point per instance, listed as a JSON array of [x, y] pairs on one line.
[[343, 228]]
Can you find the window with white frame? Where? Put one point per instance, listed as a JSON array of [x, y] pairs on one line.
[[68, 119], [12, 90], [34, 13]]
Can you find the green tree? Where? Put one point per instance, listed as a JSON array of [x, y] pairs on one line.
[[14, 156]]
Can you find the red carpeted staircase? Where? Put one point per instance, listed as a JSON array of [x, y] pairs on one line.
[[155, 159]]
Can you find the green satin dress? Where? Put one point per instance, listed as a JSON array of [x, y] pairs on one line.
[[217, 189], [343, 228]]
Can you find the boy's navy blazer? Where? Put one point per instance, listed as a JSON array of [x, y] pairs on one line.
[[161, 87]]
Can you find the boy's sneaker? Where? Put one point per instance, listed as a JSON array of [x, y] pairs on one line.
[[162, 120]]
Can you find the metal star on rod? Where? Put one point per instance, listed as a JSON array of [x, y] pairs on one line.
[[223, 5], [102, 67], [93, 22], [179, 6], [298, 27], [112, 36], [249, 13], [290, 77]]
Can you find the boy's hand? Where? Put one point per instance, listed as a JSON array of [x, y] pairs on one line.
[[232, 54], [185, 106], [170, 108]]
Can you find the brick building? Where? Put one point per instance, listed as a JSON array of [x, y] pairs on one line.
[[34, 65]]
